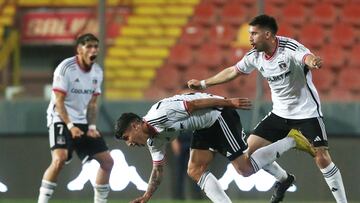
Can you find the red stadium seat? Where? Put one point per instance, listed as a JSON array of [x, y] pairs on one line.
[[234, 14], [234, 55], [342, 34], [278, 3], [286, 30], [324, 13], [197, 71], [354, 57], [204, 14], [210, 54], [193, 35], [349, 79], [339, 94], [335, 2], [351, 13], [294, 14], [181, 55], [333, 56], [222, 34], [324, 79], [273, 9], [163, 75], [312, 35]]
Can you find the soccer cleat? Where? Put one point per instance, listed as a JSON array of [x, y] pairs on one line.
[[280, 189], [302, 143]]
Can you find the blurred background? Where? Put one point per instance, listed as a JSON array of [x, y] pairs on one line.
[[149, 50]]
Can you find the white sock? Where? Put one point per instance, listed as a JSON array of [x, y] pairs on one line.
[[333, 178], [101, 193], [268, 154], [212, 188], [46, 190], [275, 170]]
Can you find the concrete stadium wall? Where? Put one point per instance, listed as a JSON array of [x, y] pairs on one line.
[[29, 116], [23, 160]]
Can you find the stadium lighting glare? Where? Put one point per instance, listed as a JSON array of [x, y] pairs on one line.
[[3, 187], [122, 174], [261, 181]]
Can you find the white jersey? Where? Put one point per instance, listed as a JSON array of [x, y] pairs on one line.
[[170, 115], [293, 93], [78, 85]]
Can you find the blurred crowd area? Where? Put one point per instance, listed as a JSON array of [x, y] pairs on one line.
[[153, 47]]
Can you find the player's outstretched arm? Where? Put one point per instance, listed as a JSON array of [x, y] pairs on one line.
[[223, 76], [238, 103], [154, 181]]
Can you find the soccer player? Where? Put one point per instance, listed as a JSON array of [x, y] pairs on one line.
[[71, 118], [217, 128], [286, 64]]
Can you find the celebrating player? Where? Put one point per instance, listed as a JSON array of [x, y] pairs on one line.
[[217, 128], [71, 118], [286, 65]]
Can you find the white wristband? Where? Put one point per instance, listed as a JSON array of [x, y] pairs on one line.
[[203, 84], [92, 127], [69, 125]]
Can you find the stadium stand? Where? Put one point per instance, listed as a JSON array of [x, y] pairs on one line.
[[143, 44], [160, 38], [324, 14]]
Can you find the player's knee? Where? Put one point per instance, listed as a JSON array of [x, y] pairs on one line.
[[58, 162], [322, 157], [195, 172], [107, 164], [244, 171]]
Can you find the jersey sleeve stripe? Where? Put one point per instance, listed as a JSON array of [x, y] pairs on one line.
[[59, 90], [96, 93], [186, 106], [66, 66]]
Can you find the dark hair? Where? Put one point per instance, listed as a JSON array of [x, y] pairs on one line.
[[123, 123], [265, 21], [82, 39]]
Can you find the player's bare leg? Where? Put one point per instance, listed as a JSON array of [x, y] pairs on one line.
[[331, 174], [284, 179], [102, 187], [197, 170], [48, 183]]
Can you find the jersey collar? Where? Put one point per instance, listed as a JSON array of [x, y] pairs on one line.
[[268, 57]]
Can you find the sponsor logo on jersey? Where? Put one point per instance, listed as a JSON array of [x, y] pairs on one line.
[[82, 91], [278, 77]]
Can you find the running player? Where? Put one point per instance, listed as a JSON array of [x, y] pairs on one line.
[[217, 128], [71, 118], [286, 65]]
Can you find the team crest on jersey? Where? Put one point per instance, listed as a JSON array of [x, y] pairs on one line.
[[94, 81], [282, 65]]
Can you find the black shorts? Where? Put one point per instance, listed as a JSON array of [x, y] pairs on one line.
[[225, 136], [274, 128], [86, 147]]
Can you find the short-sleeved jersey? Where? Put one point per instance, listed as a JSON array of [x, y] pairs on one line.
[[293, 93], [170, 115], [78, 85]]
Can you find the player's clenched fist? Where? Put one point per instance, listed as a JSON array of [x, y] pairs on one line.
[[195, 84]]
